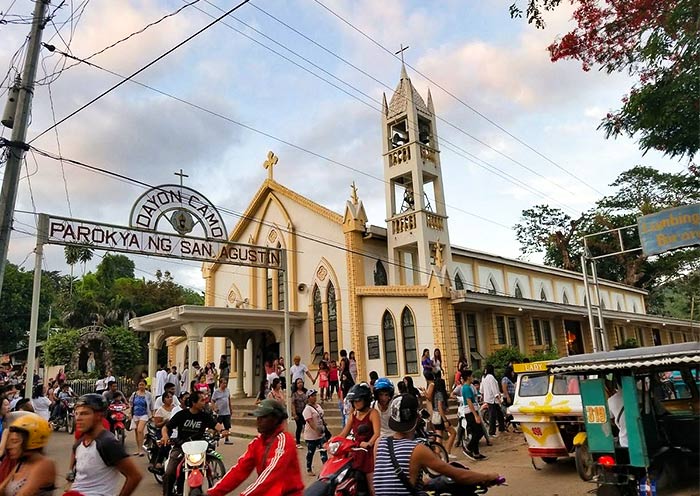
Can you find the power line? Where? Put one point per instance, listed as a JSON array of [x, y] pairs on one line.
[[165, 54], [460, 100]]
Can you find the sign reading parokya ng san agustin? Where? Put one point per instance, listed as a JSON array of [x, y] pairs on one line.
[[184, 209]]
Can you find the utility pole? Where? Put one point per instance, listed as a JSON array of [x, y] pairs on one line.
[[17, 147]]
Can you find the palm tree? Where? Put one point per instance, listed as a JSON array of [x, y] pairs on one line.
[[72, 254], [85, 256]]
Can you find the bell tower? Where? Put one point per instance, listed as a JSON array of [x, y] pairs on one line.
[[417, 233]]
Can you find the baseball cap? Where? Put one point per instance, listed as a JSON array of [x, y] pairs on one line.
[[270, 407], [403, 413], [310, 393]]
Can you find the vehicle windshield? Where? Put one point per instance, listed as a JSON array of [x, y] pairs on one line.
[[533, 385]]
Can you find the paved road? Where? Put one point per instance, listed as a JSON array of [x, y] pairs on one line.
[[508, 456]]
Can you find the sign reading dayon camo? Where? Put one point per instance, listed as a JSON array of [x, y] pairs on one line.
[[65, 231], [670, 229]]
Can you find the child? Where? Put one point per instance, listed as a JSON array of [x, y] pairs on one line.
[[322, 378], [332, 379]]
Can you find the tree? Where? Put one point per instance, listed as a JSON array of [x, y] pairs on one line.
[[113, 267], [657, 42], [638, 191]]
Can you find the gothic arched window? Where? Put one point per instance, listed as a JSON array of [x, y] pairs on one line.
[[332, 321], [492, 286], [619, 307], [518, 293], [380, 278], [318, 324], [389, 335], [564, 298], [281, 290], [459, 285], [543, 295], [410, 349]]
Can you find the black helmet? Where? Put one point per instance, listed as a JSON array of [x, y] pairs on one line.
[[360, 391], [92, 400]]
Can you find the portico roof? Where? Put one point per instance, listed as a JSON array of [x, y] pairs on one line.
[[215, 320]]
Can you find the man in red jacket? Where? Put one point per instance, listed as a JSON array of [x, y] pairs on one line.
[[272, 454]]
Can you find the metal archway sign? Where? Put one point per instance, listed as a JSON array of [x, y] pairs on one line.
[[184, 209]]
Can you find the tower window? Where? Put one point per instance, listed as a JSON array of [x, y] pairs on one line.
[[389, 335], [380, 278], [424, 134], [398, 134]]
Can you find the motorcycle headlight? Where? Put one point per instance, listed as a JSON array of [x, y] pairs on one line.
[[333, 447], [195, 459]]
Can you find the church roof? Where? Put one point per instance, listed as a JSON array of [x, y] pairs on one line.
[[405, 91]]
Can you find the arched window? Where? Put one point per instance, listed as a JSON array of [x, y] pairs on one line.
[[602, 303], [318, 324], [380, 278], [564, 298], [492, 286], [410, 350], [268, 289], [634, 307], [619, 307], [389, 334], [543, 295], [281, 290], [517, 292], [332, 321], [459, 285]]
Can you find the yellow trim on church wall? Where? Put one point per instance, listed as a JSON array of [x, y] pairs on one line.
[[391, 291]]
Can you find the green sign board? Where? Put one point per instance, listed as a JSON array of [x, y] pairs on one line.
[[670, 229]]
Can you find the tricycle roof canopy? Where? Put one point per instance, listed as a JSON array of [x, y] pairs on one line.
[[651, 356]]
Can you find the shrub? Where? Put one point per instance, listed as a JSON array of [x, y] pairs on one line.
[[59, 346]]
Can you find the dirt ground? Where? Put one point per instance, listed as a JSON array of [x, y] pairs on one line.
[[508, 456]]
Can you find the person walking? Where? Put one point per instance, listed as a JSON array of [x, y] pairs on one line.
[[40, 402], [427, 363], [298, 370], [299, 403], [276, 392], [473, 418], [353, 366], [491, 393], [314, 430], [141, 404], [174, 379], [221, 401]]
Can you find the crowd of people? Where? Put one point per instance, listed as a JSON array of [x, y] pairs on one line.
[[373, 412]]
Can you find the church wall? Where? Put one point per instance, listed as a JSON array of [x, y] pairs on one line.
[[374, 250], [543, 284], [485, 273], [564, 286], [373, 311], [523, 281], [466, 272]]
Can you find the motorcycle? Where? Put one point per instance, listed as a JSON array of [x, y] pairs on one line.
[[447, 486], [67, 417], [153, 449], [116, 415], [200, 460], [337, 477]]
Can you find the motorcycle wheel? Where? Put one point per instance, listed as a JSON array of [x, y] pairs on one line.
[[120, 435], [584, 462], [215, 471], [441, 453], [71, 424]]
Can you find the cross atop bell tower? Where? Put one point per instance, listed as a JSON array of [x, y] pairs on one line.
[[417, 231]]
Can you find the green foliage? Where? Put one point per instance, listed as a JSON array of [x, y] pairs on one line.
[[113, 267], [126, 349], [628, 343], [499, 359], [59, 346], [542, 355]]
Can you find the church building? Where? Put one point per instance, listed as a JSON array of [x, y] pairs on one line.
[[387, 292]]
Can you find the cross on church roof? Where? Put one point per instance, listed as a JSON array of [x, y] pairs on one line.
[[270, 163], [400, 52], [182, 175]]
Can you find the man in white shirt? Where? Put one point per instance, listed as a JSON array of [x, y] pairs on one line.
[[491, 396], [617, 412], [174, 378], [185, 379], [299, 369]]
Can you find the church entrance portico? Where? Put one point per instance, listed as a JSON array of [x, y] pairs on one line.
[[254, 334]]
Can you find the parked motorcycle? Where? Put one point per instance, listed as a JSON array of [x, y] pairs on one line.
[[67, 418], [446, 486], [116, 415], [337, 477], [153, 449], [200, 461]]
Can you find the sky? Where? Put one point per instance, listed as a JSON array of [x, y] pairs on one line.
[[503, 109]]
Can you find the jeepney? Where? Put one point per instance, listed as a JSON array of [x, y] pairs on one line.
[[548, 408], [641, 409]]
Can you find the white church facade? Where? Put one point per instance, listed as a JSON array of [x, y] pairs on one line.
[[387, 292]]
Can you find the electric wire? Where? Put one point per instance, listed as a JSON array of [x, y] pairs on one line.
[[4, 15], [143, 68], [518, 183], [461, 101], [58, 148]]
